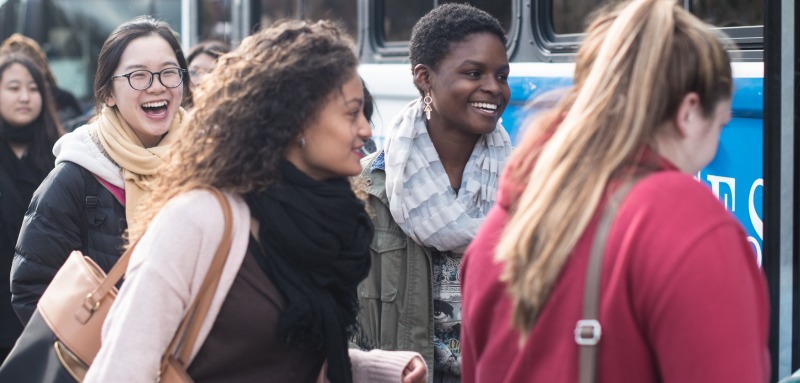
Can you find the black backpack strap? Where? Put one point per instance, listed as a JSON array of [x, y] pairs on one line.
[[92, 187]]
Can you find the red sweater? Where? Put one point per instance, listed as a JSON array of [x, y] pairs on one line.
[[683, 299]]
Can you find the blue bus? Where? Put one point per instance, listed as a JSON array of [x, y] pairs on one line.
[[756, 147], [753, 173]]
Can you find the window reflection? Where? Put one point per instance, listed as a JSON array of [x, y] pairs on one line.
[[729, 13], [214, 20], [343, 11], [399, 17], [71, 32], [274, 10], [571, 16]]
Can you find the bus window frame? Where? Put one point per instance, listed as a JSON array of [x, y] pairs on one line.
[[749, 40], [383, 51]]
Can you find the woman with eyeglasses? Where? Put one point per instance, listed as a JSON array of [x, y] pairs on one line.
[[281, 145], [202, 59], [102, 169]]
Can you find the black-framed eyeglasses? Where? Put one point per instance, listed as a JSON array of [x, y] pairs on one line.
[[142, 79], [197, 73]]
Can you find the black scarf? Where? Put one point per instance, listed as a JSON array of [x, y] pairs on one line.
[[315, 238], [23, 135]]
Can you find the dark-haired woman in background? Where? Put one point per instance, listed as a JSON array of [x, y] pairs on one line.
[[432, 184], [66, 105], [202, 59], [369, 109], [99, 181], [28, 129]]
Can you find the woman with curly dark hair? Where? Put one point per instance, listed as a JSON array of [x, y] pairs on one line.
[[278, 129], [432, 183]]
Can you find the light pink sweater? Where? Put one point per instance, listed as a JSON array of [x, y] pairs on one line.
[[165, 271]]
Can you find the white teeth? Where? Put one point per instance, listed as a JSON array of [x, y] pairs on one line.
[[484, 105], [154, 104]]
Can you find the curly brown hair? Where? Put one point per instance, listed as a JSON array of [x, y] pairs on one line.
[[258, 101]]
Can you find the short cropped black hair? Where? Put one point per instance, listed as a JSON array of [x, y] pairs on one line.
[[434, 33]]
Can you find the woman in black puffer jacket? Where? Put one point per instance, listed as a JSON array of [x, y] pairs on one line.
[[71, 210], [99, 182]]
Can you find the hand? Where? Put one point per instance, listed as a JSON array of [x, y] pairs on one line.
[[415, 371]]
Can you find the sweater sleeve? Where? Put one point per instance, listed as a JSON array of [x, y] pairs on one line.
[[50, 231], [156, 292], [378, 366], [708, 312]]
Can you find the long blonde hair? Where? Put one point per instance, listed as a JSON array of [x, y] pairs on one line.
[[637, 63]]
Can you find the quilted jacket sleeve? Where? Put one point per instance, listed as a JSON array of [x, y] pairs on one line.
[[50, 231]]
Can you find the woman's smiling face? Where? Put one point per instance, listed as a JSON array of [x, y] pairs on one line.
[[20, 97], [333, 139], [149, 112], [469, 87]]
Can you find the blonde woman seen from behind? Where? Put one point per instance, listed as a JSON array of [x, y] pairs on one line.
[[682, 298], [278, 129]]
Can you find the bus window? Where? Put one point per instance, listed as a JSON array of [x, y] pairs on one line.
[[729, 13], [71, 32], [399, 17], [570, 16], [9, 18], [342, 11], [274, 10], [214, 20]]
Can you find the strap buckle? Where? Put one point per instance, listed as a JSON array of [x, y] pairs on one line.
[[588, 332]]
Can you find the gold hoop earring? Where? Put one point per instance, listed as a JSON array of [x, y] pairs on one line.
[[427, 100]]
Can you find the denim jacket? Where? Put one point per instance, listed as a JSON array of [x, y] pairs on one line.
[[396, 298]]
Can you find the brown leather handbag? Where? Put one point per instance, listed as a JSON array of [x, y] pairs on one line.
[[72, 310]]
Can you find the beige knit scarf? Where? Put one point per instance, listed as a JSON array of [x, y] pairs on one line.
[[137, 162]]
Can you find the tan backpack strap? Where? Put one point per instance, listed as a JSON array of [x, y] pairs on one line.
[[183, 342], [92, 301], [588, 330]]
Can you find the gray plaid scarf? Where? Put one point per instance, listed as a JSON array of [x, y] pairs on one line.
[[420, 197]]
